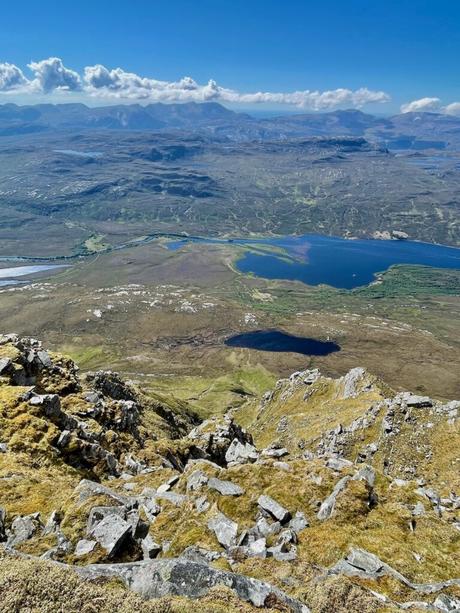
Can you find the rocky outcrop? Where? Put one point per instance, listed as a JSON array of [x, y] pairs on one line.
[[183, 577]]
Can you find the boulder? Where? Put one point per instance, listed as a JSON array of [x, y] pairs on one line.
[[267, 529], [5, 364], [298, 523], [225, 488], [224, 528], [275, 452], [447, 603], [411, 400], [23, 528], [366, 473], [327, 507], [176, 499], [281, 554], [272, 507], [258, 549], [84, 547], [196, 480], [183, 577], [241, 453], [86, 489], [338, 464], [111, 533]]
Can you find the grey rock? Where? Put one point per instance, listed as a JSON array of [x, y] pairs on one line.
[[150, 548], [258, 549], [412, 400], [338, 464], [286, 537], [418, 510], [139, 527], [86, 489], [275, 452], [196, 480], [53, 523], [92, 397], [84, 547], [202, 504], [327, 507], [111, 533], [165, 487], [447, 603], [311, 376], [23, 528], [241, 453], [282, 466], [147, 501], [176, 499], [366, 473], [351, 382], [281, 555], [299, 522], [64, 439], [225, 488], [97, 514], [44, 358], [182, 577], [268, 529], [365, 561], [200, 555], [2, 524], [274, 508], [5, 363], [224, 528], [3, 448], [361, 563]]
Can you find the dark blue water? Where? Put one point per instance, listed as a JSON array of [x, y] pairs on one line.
[[335, 261], [274, 340]]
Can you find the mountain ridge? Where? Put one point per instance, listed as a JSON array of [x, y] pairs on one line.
[[342, 485]]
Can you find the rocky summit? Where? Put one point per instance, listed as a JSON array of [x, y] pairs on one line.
[[323, 495]]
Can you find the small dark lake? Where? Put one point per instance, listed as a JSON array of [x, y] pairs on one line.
[[275, 340], [341, 263]]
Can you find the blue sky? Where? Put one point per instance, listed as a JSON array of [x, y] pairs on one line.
[[408, 49]]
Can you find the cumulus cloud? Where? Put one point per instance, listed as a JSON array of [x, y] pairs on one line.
[[11, 78], [452, 109], [431, 105], [50, 75], [422, 105], [117, 83]]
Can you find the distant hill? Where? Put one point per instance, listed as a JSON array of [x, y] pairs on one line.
[[406, 131]]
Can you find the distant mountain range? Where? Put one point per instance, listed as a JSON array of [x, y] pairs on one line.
[[414, 131]]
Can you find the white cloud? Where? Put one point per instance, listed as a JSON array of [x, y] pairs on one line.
[[50, 75], [11, 77], [452, 109], [117, 83], [432, 105], [422, 105]]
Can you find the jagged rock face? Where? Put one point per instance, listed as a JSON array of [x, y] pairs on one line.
[[366, 493]]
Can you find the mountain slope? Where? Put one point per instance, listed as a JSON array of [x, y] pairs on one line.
[[337, 495]]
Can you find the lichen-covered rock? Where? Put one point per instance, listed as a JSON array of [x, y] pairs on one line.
[[272, 507], [182, 577]]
